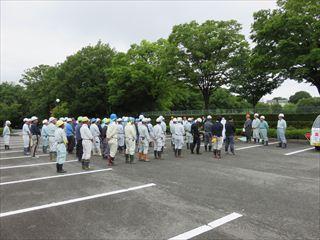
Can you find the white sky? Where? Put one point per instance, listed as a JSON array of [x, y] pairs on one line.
[[46, 32]]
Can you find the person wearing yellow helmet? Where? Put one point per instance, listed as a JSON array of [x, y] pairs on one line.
[[87, 140], [61, 142]]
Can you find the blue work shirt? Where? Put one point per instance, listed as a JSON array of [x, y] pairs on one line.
[[69, 130]]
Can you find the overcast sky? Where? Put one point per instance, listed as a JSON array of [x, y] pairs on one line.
[[46, 32]]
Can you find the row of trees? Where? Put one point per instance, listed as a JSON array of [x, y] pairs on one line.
[[185, 71]]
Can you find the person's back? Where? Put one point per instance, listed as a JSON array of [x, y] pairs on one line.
[[217, 129], [230, 128], [208, 126]]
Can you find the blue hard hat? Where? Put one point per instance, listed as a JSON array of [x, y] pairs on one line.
[[113, 116], [93, 120]]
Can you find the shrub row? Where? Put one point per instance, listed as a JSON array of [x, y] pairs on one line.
[[290, 133]]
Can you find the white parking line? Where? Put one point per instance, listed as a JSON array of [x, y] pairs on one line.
[[32, 165], [254, 146], [54, 176], [41, 155], [299, 151], [10, 151], [208, 227], [55, 204]]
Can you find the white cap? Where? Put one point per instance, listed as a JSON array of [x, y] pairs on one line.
[[256, 115], [281, 115], [141, 117], [161, 117], [144, 120], [33, 118], [45, 121], [190, 119], [209, 117], [158, 120], [69, 120], [25, 120], [179, 119], [174, 119], [119, 119], [262, 117], [199, 120], [8, 122]]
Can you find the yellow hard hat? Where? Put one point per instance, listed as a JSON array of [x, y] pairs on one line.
[[59, 123], [85, 119]]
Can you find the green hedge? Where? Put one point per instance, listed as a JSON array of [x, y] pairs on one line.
[[290, 133], [1, 131]]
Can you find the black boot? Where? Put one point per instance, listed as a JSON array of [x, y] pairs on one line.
[[255, 140], [155, 153], [266, 143], [192, 148], [188, 146], [61, 170], [83, 164], [179, 153], [262, 141], [214, 153], [219, 154], [284, 145], [132, 159], [206, 148], [159, 155], [58, 167], [176, 152], [127, 158], [279, 144], [210, 148]]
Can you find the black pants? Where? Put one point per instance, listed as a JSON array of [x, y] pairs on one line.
[[70, 146], [79, 150], [196, 142]]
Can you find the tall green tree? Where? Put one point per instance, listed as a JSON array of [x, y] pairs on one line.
[[299, 95], [208, 54], [140, 79], [288, 40], [83, 85]]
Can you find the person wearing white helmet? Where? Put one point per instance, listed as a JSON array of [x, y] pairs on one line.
[[36, 134], [264, 127], [51, 128], [120, 135], [196, 136], [208, 133], [144, 141], [172, 124], [45, 136], [112, 137], [150, 129], [6, 135], [256, 128], [164, 132], [281, 131], [130, 137], [61, 142], [178, 141], [187, 129], [87, 140], [158, 135], [26, 136], [94, 129]]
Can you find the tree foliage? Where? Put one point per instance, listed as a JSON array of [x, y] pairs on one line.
[[208, 54], [299, 95], [287, 40]]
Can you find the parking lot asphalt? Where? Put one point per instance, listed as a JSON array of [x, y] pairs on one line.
[[273, 195]]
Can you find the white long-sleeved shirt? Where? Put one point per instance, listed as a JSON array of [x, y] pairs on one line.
[[112, 131], [85, 132], [51, 128], [94, 130], [187, 127], [120, 129], [25, 129], [282, 124], [157, 131], [130, 131], [256, 123], [144, 132], [60, 136], [179, 129], [6, 131]]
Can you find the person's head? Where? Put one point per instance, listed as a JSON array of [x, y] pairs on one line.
[[179, 119], [98, 121], [34, 120], [119, 120], [209, 117], [45, 122], [174, 120], [247, 116], [256, 115], [184, 118], [190, 119], [113, 117], [158, 120], [230, 119], [262, 118], [79, 119], [199, 121], [8, 123], [281, 116], [52, 120], [219, 118], [144, 121], [85, 120], [60, 124], [93, 120], [69, 120]]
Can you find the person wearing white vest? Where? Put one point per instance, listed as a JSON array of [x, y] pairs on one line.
[[87, 140], [256, 128], [130, 136], [6, 135], [112, 137], [281, 131], [144, 139], [26, 135]]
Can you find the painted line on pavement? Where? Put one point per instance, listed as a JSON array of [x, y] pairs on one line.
[[299, 151], [208, 227], [32, 165], [54, 176], [28, 156], [254, 146], [55, 204]]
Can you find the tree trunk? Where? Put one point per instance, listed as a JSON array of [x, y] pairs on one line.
[[206, 97]]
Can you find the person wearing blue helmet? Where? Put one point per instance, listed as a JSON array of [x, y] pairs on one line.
[[112, 136]]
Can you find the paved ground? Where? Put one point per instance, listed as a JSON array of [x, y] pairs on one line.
[[274, 196]]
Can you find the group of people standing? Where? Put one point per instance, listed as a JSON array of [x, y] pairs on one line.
[[128, 135]]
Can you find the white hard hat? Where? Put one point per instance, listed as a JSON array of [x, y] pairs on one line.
[[119, 119], [25, 120], [174, 119], [34, 118], [262, 117], [256, 115], [209, 117], [190, 119], [51, 119], [8, 122], [69, 120], [281, 115], [125, 119], [141, 117], [199, 120], [179, 119], [144, 120], [45, 121], [158, 120]]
